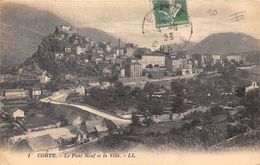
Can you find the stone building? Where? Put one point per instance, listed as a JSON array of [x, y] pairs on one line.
[[153, 59], [174, 63], [133, 68], [236, 58], [16, 93], [253, 86]]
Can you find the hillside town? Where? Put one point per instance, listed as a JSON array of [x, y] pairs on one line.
[[75, 92]]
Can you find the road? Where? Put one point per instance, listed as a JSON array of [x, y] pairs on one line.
[[116, 119], [173, 78], [163, 79]]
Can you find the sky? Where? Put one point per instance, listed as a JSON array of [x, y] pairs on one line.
[[123, 18]]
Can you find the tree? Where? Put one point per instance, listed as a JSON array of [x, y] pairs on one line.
[[177, 105], [148, 120], [226, 63], [218, 65], [179, 73], [135, 120], [216, 110], [149, 66], [120, 90], [116, 69], [156, 109], [177, 88], [151, 88], [143, 104], [241, 63], [252, 104], [240, 91], [150, 75]]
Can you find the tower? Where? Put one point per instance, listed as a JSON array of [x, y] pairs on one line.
[[119, 42]]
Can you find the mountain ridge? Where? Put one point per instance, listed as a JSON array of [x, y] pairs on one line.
[[20, 37], [226, 43]]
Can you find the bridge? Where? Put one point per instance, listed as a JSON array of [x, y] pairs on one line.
[[59, 98]]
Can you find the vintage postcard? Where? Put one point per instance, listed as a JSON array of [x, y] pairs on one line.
[[133, 82]]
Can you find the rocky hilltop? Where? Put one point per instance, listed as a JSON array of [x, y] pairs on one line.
[[64, 52], [24, 27]]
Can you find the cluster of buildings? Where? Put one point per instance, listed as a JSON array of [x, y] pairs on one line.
[[127, 60], [37, 131], [183, 63], [59, 138], [20, 93], [69, 44]]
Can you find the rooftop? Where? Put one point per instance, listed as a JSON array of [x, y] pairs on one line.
[[14, 90], [22, 146], [155, 54], [15, 109], [66, 29], [175, 57], [40, 121], [42, 143]]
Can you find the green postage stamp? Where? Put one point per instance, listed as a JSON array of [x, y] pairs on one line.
[[170, 13]]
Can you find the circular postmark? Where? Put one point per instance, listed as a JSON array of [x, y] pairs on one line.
[[167, 28]]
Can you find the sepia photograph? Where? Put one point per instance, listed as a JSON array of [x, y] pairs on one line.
[[133, 82]]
